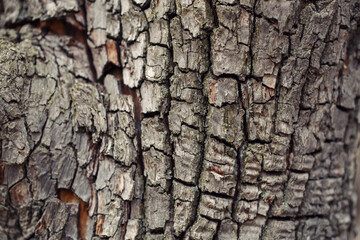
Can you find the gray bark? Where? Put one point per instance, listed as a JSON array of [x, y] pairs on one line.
[[176, 119]]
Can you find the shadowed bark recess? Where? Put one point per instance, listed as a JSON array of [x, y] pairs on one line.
[[174, 119]]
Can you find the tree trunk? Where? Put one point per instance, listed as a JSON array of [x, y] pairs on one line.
[[175, 119]]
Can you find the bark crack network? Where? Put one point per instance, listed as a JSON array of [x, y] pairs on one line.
[[171, 119]]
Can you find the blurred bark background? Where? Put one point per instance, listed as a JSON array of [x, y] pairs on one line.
[[179, 119]]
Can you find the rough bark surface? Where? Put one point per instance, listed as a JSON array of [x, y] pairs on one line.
[[179, 119]]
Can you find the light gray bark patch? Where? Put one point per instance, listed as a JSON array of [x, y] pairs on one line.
[[157, 68], [318, 195], [186, 86], [157, 208], [87, 109], [81, 186], [252, 229], [133, 229], [123, 148], [218, 174], [293, 196], [278, 229], [132, 23], [215, 207], [39, 170], [105, 172], [186, 200], [153, 97], [226, 124], [249, 192], [251, 167], [14, 142], [229, 42], [195, 16], [228, 230], [203, 229], [53, 219], [221, 91], [187, 154], [113, 216], [260, 125], [245, 211], [132, 59], [188, 113], [188, 53], [157, 169], [122, 182]]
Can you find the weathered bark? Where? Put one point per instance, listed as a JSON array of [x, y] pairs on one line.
[[176, 119]]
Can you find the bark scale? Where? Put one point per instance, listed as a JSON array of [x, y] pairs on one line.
[[176, 119]]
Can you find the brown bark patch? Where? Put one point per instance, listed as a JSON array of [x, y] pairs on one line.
[[212, 92], [69, 27], [99, 224], [40, 227], [217, 170], [20, 194], [57, 27], [112, 52], [67, 196]]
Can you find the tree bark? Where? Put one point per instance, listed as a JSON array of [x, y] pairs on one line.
[[174, 119]]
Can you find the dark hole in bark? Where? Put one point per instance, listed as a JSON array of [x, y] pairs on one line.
[[1, 7]]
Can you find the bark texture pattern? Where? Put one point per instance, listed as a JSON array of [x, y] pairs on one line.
[[179, 119]]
